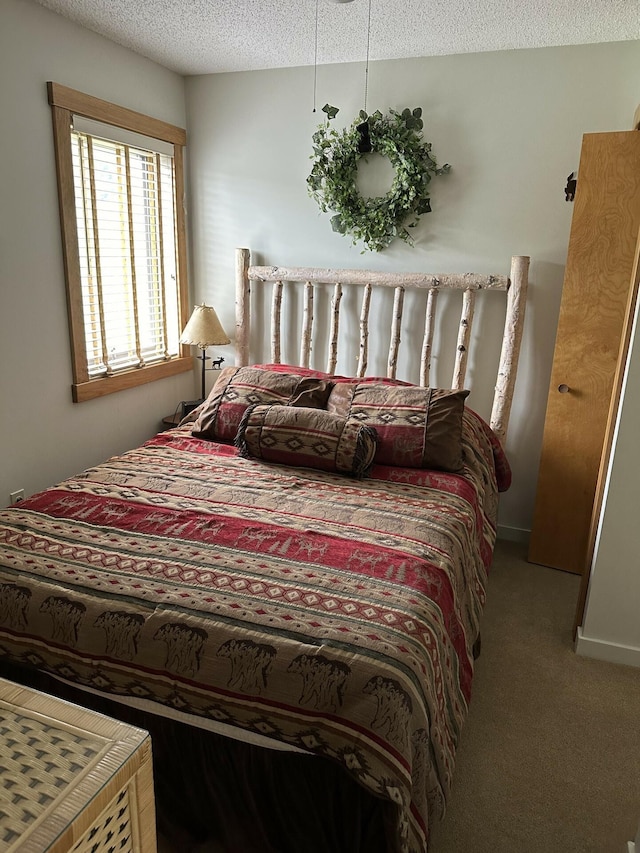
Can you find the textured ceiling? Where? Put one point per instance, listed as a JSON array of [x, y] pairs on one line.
[[207, 36]]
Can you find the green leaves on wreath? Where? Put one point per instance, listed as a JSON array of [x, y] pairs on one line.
[[337, 224], [332, 182], [331, 112], [413, 119]]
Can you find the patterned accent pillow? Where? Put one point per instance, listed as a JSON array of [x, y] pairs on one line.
[[308, 438], [417, 427], [238, 388]]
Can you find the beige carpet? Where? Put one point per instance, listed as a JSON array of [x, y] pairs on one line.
[[549, 760]]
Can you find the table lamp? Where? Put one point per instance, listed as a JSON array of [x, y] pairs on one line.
[[204, 330]]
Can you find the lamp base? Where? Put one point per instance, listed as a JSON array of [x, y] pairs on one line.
[[189, 405]]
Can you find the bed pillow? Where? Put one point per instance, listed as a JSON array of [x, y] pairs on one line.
[[308, 438], [238, 388], [417, 427]]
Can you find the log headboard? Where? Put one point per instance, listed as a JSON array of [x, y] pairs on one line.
[[514, 285]]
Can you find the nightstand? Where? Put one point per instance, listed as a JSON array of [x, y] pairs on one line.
[[72, 780], [171, 421]]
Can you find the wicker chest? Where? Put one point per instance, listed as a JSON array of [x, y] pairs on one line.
[[71, 779]]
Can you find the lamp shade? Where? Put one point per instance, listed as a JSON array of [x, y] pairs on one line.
[[204, 329]]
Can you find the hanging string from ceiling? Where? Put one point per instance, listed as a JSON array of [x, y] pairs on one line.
[[366, 68], [364, 143], [315, 61], [315, 54]]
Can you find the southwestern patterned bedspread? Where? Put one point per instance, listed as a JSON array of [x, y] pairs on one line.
[[333, 614]]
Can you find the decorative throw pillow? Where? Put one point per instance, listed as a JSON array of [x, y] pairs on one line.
[[308, 438], [238, 388], [417, 427]]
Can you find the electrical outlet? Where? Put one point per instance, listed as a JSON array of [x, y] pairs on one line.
[[17, 496]]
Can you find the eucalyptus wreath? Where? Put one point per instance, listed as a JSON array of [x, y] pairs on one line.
[[332, 182]]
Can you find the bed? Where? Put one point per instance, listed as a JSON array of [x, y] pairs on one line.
[[281, 569]]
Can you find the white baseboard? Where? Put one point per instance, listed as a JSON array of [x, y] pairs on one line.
[[513, 534], [603, 650]]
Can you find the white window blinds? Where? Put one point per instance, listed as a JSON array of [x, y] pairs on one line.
[[125, 213]]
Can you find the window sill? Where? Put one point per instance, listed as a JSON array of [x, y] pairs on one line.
[[129, 379]]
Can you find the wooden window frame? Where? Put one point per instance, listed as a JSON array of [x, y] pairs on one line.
[[65, 103]]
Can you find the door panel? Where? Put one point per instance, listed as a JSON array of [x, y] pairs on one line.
[[604, 232]]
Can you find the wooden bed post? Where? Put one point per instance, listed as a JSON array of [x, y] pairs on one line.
[[514, 324], [364, 330], [243, 291], [427, 341], [335, 327], [464, 336], [307, 325], [276, 319], [396, 322]]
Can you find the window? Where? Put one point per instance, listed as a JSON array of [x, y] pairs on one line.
[[120, 184]]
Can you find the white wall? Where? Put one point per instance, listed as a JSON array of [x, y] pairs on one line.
[[611, 625], [511, 125], [43, 435]]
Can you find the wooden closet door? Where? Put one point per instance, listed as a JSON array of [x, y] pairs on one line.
[[604, 232]]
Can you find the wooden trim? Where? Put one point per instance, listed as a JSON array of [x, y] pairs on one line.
[[70, 253], [104, 385], [99, 110], [616, 395], [64, 103], [181, 241]]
